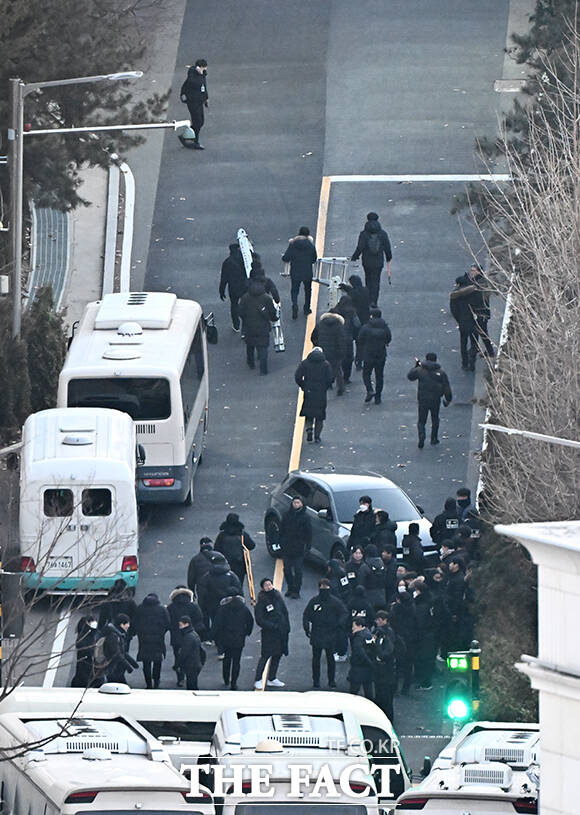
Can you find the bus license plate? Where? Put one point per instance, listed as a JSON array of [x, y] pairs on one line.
[[60, 562]]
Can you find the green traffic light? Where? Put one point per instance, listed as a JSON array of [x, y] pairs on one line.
[[458, 709], [455, 663]]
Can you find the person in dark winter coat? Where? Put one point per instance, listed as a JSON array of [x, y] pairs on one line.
[[404, 622], [372, 576], [199, 567], [461, 304], [427, 634], [194, 94], [258, 312], [373, 339], [446, 523], [353, 565], [480, 306], [363, 523], [359, 605], [257, 272], [362, 658], [151, 623], [300, 254], [119, 601], [323, 619], [272, 617], [374, 246], [385, 531], [191, 655], [456, 601], [389, 558], [329, 334], [295, 540], [234, 278], [432, 386], [413, 556], [181, 604], [385, 667], [230, 542], [314, 377], [87, 635], [233, 622], [352, 326], [217, 583], [115, 649], [361, 301], [337, 580], [463, 503]]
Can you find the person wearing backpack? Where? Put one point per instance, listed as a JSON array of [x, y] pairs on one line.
[[372, 576], [433, 385], [191, 656], [374, 246], [362, 658]]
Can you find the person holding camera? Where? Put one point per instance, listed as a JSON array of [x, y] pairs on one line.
[[433, 385]]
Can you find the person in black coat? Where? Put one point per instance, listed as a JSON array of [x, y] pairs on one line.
[[385, 531], [257, 271], [151, 623], [329, 334], [352, 325], [389, 558], [233, 622], [191, 656], [337, 579], [272, 617], [462, 301], [404, 622], [363, 523], [427, 634], [362, 658], [446, 523], [199, 567], [413, 556], [373, 339], [216, 584], [374, 246], [300, 254], [385, 667], [359, 605], [314, 377], [372, 576], [295, 540], [115, 650], [456, 601], [181, 604], [361, 301], [432, 386], [230, 542], [258, 312], [480, 305], [194, 94], [119, 601], [323, 621], [234, 278], [352, 566], [87, 635]]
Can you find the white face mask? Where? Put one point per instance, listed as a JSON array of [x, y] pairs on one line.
[[401, 589], [363, 507], [92, 624]]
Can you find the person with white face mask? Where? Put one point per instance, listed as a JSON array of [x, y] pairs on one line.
[[363, 524], [87, 635]]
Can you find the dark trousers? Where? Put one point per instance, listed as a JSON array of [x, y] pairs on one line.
[[295, 288], [239, 569], [231, 665], [426, 408], [425, 662], [405, 670], [234, 303], [467, 336], [152, 673], [483, 336], [191, 679], [373, 284], [293, 567], [377, 366], [316, 424], [336, 365], [367, 687], [178, 671], [384, 692], [274, 662], [330, 666], [262, 356], [197, 118]]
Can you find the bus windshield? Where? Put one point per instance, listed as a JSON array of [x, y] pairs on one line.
[[143, 398]]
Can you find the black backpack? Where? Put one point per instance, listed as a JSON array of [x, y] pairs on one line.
[[374, 243]]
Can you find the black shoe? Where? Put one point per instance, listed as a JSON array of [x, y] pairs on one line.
[[434, 441], [198, 146], [289, 593], [340, 392], [369, 396], [309, 435], [294, 312], [347, 381], [179, 683], [251, 365], [421, 444], [317, 439], [316, 685], [234, 686], [377, 400], [332, 684], [307, 310]]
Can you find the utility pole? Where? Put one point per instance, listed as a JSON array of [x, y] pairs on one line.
[[15, 169]]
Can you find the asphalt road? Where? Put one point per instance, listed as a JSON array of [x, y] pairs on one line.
[[299, 90]]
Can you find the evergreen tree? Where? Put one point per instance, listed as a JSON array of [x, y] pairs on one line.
[[45, 336]]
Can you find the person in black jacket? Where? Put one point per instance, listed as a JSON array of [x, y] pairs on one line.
[[385, 667], [233, 277], [373, 339], [404, 622], [481, 309], [181, 604], [329, 334], [194, 94], [385, 531], [361, 301], [337, 579], [300, 254], [446, 523], [258, 312], [230, 542], [359, 605], [119, 601], [374, 246], [323, 620], [151, 623], [216, 584], [257, 272], [362, 658], [372, 576], [462, 302], [199, 567], [363, 523], [295, 540], [272, 617], [233, 622], [389, 558], [346, 309], [456, 592], [87, 636], [427, 634], [432, 386], [413, 556], [353, 565], [115, 650], [191, 654], [314, 377]]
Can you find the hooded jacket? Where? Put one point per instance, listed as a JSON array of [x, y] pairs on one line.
[[372, 576], [314, 377], [181, 604], [323, 618], [151, 624], [336, 576], [233, 275], [384, 534], [330, 335], [190, 659], [272, 617], [361, 606], [345, 307], [413, 556], [433, 382], [258, 312], [257, 273], [194, 89], [217, 583], [373, 339], [295, 532], [372, 260], [229, 541], [199, 567], [404, 621], [233, 622], [446, 523], [300, 254], [360, 296]]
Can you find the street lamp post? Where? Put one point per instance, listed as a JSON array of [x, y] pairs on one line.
[[18, 91]]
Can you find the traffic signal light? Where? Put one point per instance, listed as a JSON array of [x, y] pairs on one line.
[[458, 699], [462, 692]]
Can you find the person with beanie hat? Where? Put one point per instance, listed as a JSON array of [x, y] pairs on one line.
[[374, 246], [314, 378], [231, 540], [191, 657], [301, 255], [194, 94], [233, 622], [151, 623], [323, 621], [199, 566], [216, 584], [234, 278], [433, 385], [272, 617]]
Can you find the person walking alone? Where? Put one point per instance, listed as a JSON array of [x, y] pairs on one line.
[[272, 617], [301, 255], [374, 246], [323, 620], [462, 302], [295, 540], [234, 278], [373, 339], [433, 385], [194, 94], [258, 312], [314, 378]]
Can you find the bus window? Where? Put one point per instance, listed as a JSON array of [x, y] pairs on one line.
[[192, 375], [58, 503], [143, 398], [96, 502]]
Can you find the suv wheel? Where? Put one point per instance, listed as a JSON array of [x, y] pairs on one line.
[[272, 530]]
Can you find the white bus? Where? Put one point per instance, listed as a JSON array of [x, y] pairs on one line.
[[63, 766], [146, 354]]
